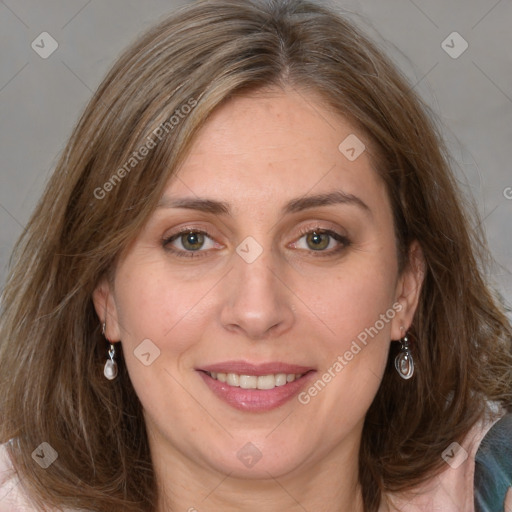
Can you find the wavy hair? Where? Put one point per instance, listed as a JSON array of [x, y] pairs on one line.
[[106, 185]]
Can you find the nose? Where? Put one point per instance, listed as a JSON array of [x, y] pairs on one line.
[[258, 302]]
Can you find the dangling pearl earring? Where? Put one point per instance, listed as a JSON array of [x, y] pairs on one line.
[[110, 369], [404, 362]]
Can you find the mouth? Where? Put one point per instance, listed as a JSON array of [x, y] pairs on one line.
[[255, 388], [269, 381]]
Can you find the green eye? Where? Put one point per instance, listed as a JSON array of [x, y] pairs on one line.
[[192, 241], [318, 241], [322, 242]]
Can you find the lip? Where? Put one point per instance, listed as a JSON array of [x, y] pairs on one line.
[[256, 400]]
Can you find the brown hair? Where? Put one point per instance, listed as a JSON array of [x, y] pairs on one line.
[[105, 187]]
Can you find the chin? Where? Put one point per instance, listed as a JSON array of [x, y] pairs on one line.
[[258, 459]]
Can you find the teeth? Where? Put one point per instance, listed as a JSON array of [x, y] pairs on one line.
[[233, 379], [266, 382], [248, 381], [253, 381], [280, 379]]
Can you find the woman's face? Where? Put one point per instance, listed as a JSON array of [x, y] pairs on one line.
[[271, 263]]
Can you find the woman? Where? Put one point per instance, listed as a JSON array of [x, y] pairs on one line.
[[201, 311]]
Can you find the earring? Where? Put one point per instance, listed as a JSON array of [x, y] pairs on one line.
[[404, 362], [110, 369]]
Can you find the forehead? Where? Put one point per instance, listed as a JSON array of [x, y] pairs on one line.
[[276, 145]]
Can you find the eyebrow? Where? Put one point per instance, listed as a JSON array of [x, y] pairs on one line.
[[293, 206]]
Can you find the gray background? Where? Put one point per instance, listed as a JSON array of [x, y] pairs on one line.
[[41, 99]]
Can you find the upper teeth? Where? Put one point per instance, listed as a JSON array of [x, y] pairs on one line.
[[253, 381]]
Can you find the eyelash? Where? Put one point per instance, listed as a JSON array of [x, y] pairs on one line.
[[178, 252], [341, 239]]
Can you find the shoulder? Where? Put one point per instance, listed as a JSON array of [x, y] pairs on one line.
[[12, 498], [493, 467], [484, 453]]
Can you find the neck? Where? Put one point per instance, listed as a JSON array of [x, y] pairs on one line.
[[330, 485]]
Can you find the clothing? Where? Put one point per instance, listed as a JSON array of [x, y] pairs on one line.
[[477, 484], [12, 499], [463, 488], [493, 467]]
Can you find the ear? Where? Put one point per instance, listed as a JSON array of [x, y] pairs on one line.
[[408, 291], [105, 306]]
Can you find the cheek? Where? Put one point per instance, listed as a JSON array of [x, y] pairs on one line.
[[153, 304], [358, 309], [355, 303], [351, 299]]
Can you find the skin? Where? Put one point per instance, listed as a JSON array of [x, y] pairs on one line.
[[292, 304]]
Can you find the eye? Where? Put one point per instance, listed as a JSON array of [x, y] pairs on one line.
[[189, 241], [318, 241], [321, 240]]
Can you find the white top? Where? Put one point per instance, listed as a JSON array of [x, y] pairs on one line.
[[12, 498], [453, 489]]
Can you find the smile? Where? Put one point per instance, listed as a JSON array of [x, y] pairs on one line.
[[255, 381], [255, 387]]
